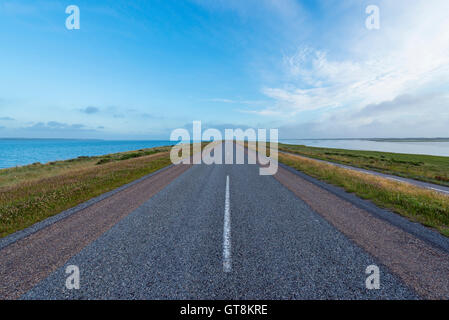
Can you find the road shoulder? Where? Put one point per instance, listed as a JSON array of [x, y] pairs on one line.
[[31, 257], [421, 265]]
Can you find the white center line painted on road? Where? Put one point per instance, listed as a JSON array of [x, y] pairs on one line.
[[227, 262]]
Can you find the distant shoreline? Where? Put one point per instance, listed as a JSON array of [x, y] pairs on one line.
[[378, 139], [374, 139], [436, 139], [410, 139]]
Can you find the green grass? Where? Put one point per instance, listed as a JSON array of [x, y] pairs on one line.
[[427, 207], [32, 193], [427, 168], [424, 206], [36, 171], [28, 202]]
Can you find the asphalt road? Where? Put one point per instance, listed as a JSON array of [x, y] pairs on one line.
[[195, 240]]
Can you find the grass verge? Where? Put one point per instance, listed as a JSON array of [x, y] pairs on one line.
[[36, 171], [27, 202], [424, 206], [434, 169], [32, 193]]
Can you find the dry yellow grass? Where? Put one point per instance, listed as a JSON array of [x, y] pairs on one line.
[[29, 194], [434, 169], [425, 206], [29, 201], [36, 171]]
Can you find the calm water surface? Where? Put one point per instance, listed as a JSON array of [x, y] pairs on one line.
[[16, 152], [431, 148]]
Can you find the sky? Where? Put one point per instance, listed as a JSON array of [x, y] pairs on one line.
[[140, 69]]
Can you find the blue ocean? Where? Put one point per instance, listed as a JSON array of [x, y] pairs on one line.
[[18, 152]]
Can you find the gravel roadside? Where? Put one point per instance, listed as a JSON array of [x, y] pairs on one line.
[[419, 264], [29, 260]]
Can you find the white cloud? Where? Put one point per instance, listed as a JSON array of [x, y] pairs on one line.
[[409, 55], [264, 112]]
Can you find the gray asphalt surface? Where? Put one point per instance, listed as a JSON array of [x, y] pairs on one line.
[[417, 183], [171, 247]]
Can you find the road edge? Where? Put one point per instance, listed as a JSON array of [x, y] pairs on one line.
[[426, 234], [417, 183], [21, 234]]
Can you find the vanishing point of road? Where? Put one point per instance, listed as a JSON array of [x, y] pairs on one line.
[[223, 231]]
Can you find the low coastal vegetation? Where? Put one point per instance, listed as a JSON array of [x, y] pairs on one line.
[[427, 207], [37, 171], [434, 169], [29, 194], [32, 193]]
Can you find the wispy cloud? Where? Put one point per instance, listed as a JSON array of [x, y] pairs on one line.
[[376, 80], [263, 112], [52, 129], [405, 104], [7, 118], [90, 110], [146, 115], [55, 125], [309, 66]]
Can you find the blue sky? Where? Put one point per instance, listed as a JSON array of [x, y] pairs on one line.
[[139, 69]]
